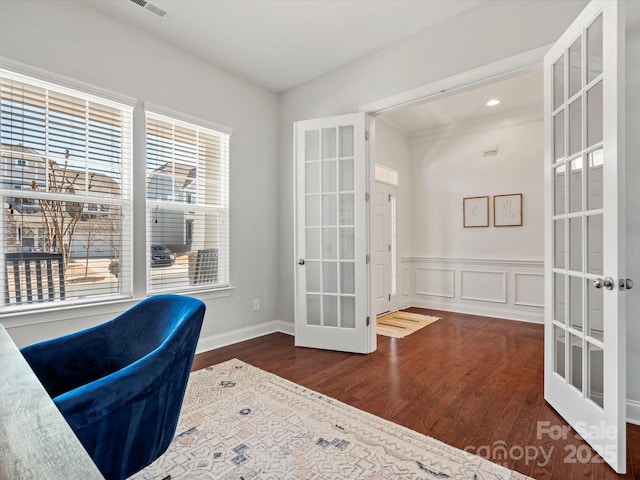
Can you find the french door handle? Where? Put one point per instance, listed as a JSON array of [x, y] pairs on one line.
[[607, 283], [301, 261]]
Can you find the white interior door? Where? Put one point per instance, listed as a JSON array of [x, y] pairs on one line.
[[584, 168], [332, 287], [385, 248]]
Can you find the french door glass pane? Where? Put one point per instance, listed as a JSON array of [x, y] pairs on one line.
[[575, 185], [595, 161], [330, 310], [575, 126], [329, 144], [346, 141], [313, 211], [329, 243], [559, 189], [575, 67], [346, 175], [594, 114], [596, 374], [314, 314], [347, 312], [558, 83], [595, 317], [558, 135], [313, 277], [328, 176], [595, 234], [313, 243], [575, 305], [312, 145], [575, 361], [347, 277], [312, 173], [329, 210], [330, 277], [558, 243], [347, 213], [347, 243], [594, 49], [559, 350], [575, 244], [559, 301]]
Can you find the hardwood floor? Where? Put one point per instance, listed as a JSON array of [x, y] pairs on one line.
[[472, 382]]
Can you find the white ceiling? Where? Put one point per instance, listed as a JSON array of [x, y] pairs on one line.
[[280, 44], [520, 96]]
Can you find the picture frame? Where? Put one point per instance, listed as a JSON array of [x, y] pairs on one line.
[[475, 212], [507, 210]]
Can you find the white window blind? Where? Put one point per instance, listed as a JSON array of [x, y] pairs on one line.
[[187, 205], [65, 159]]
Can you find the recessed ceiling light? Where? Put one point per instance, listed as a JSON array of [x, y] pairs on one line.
[[493, 102]]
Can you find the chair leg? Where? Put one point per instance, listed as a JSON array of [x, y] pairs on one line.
[[168, 477]]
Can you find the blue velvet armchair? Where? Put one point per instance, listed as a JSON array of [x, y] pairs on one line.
[[120, 385]]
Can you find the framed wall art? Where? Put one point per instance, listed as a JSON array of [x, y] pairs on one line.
[[475, 212], [507, 210]]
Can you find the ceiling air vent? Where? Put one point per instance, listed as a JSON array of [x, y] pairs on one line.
[[151, 7]]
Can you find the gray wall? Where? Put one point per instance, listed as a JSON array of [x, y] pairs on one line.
[[71, 39]]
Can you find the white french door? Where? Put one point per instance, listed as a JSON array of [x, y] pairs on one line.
[[584, 214], [331, 272]]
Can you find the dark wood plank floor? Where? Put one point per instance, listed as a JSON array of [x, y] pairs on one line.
[[473, 382]]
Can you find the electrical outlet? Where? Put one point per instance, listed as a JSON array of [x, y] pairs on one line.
[[256, 305]]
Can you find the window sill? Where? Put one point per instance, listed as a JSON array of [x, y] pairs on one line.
[[49, 313]]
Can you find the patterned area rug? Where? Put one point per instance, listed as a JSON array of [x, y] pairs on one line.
[[240, 422], [400, 324]]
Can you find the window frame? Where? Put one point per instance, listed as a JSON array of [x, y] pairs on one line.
[[224, 257], [61, 85]]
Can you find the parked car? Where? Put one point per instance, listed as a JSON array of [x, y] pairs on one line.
[[161, 256]]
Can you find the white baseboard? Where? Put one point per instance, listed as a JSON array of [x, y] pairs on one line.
[[229, 338], [521, 316], [633, 412]]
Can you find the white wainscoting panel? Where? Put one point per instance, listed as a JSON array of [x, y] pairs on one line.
[[502, 288], [483, 286], [528, 289], [437, 282]]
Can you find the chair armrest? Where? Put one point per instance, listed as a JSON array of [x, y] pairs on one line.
[[64, 363]]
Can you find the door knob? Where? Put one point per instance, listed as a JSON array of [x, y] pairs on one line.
[[301, 261], [607, 283]]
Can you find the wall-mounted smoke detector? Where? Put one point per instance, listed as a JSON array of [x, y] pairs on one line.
[[150, 6]]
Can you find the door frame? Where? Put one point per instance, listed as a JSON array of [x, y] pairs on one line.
[[393, 307], [502, 69]]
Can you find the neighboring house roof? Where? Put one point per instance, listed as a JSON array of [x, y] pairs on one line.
[[21, 165], [182, 174]]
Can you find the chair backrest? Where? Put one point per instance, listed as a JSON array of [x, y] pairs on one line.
[[33, 277]]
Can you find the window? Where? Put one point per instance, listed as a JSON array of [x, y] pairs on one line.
[[386, 175], [187, 205], [65, 159]]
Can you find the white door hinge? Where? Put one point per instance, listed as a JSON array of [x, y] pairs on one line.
[[366, 134]]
